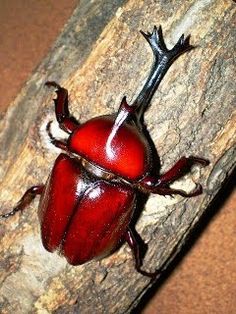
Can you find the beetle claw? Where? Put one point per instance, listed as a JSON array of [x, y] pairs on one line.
[[152, 275]]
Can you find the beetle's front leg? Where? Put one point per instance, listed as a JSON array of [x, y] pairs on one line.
[[134, 245], [26, 199], [66, 122], [160, 185]]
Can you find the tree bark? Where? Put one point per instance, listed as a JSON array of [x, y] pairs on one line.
[[100, 57]]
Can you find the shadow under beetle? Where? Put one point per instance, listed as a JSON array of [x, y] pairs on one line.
[[87, 203]]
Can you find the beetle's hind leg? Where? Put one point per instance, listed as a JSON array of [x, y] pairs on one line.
[[134, 245], [66, 122], [26, 199]]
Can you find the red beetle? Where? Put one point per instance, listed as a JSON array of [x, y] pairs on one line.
[[87, 203]]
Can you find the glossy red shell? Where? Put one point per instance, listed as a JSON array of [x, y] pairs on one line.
[[80, 218], [123, 150]]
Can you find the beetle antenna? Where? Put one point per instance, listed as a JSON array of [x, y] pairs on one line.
[[163, 58]]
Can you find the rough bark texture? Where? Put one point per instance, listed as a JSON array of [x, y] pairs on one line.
[[99, 57]]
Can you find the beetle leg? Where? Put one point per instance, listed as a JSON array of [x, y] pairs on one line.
[[66, 122], [26, 199], [182, 167], [133, 244], [160, 185]]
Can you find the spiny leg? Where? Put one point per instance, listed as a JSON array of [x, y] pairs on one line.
[[66, 122], [26, 199], [163, 58], [133, 244], [160, 185]]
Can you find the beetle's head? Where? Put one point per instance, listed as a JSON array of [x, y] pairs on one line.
[[114, 144]]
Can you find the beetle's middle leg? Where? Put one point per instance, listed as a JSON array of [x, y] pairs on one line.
[[26, 199], [160, 185], [182, 167], [66, 122], [134, 245]]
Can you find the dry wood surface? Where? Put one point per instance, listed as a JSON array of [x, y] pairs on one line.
[[99, 57]]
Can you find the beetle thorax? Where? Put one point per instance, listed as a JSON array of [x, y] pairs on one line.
[[112, 144]]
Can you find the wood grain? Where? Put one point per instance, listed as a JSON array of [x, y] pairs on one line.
[[193, 112]]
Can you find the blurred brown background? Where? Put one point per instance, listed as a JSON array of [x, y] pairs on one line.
[[205, 279]]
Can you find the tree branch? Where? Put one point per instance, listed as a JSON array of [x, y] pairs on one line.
[[99, 57]]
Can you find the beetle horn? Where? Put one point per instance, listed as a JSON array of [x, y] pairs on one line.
[[163, 58]]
